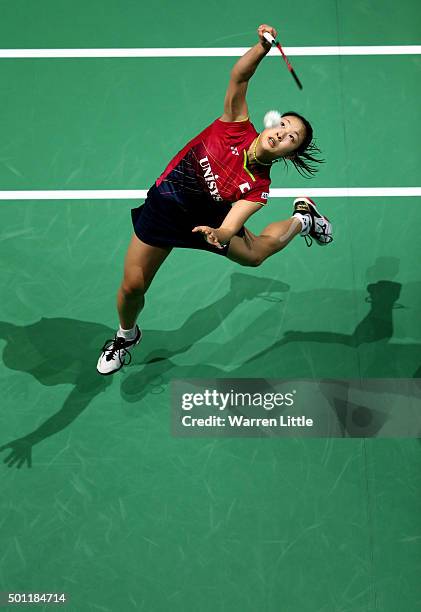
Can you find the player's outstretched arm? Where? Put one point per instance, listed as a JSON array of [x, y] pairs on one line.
[[235, 219], [235, 105]]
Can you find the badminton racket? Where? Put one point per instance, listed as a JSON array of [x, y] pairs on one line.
[[277, 44]]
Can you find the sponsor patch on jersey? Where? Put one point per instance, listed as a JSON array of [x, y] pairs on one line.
[[210, 179]]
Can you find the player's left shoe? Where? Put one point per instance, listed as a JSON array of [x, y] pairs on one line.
[[116, 353], [319, 227]]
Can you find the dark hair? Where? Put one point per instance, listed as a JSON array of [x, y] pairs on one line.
[[304, 157]]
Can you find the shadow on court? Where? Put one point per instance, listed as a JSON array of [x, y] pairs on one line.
[[65, 351], [370, 341], [54, 352], [367, 352], [298, 355]]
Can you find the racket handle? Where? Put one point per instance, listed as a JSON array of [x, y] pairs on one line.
[[268, 37]]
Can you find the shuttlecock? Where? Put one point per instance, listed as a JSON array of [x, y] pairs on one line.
[[271, 119]]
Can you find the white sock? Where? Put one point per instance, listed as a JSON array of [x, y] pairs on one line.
[[127, 334], [305, 223]]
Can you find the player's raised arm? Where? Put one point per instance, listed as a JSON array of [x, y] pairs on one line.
[[235, 105]]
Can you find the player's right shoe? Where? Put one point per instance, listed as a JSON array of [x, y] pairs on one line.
[[115, 353], [319, 227]]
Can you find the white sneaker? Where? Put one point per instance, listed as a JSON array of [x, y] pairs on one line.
[[319, 228], [114, 352]]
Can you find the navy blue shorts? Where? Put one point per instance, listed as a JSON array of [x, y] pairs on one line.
[[165, 222]]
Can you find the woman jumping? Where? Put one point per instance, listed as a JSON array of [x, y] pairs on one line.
[[207, 193]]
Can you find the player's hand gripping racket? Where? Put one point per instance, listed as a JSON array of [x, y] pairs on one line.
[[272, 41]]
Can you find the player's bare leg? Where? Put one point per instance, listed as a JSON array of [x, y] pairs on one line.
[[252, 250], [141, 264]]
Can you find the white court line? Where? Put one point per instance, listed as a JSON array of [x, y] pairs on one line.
[[208, 52], [140, 194]]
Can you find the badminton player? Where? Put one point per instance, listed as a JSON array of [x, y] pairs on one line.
[[206, 194]]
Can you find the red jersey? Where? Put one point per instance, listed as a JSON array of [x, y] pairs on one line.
[[214, 166]]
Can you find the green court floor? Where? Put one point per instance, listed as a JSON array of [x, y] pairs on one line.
[[115, 511]]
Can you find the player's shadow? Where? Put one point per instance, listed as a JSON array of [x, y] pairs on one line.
[[159, 346], [64, 351], [369, 347], [379, 356], [56, 351], [377, 325], [371, 342]]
